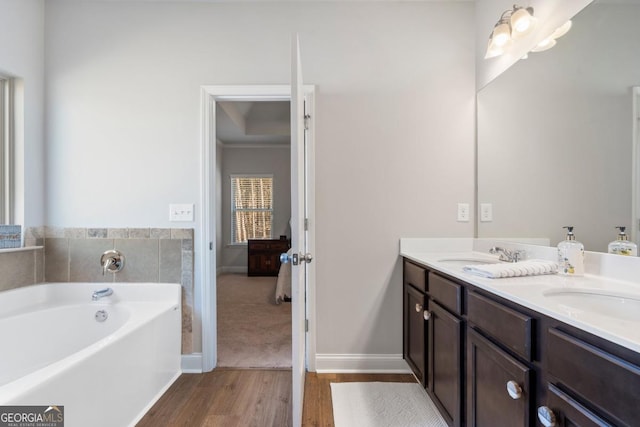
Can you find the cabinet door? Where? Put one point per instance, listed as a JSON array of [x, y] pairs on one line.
[[566, 412], [491, 372], [414, 332], [445, 365]]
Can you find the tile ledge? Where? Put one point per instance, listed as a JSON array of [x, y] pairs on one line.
[[27, 248]]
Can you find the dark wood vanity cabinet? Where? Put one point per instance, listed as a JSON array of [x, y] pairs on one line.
[[489, 362], [433, 336]]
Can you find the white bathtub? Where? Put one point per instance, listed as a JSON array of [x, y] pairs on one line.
[[54, 352]]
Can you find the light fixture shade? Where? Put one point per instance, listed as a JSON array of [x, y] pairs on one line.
[[493, 50], [501, 34], [545, 44], [562, 30], [522, 21]]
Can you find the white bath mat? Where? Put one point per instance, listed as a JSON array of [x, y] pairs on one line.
[[379, 404]]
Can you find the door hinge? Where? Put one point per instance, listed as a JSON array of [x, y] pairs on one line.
[[306, 121], [306, 224], [210, 246], [306, 325]]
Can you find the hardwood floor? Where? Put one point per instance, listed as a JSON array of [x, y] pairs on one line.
[[225, 398], [249, 398]]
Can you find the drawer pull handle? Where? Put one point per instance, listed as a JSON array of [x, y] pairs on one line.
[[426, 315], [514, 390], [546, 416], [418, 308]]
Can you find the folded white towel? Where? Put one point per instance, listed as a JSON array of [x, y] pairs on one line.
[[532, 267]]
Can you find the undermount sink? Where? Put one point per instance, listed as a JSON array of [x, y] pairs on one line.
[[461, 262], [615, 305]]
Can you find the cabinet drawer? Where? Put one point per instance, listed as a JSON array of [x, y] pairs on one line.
[[415, 276], [608, 382], [446, 292], [281, 245], [571, 413], [511, 328], [257, 245]]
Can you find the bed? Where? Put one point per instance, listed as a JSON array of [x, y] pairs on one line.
[[283, 283]]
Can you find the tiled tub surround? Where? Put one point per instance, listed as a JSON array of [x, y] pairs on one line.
[[21, 267], [155, 255]]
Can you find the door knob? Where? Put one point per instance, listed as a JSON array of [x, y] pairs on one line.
[[295, 259], [284, 258], [418, 307]]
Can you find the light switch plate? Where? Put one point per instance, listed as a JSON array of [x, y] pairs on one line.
[[463, 212], [181, 212], [486, 212]]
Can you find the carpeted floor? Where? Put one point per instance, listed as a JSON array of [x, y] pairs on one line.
[[253, 332]]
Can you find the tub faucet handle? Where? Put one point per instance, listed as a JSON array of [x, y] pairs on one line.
[[112, 261]]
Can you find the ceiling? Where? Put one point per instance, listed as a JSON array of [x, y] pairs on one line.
[[242, 123]]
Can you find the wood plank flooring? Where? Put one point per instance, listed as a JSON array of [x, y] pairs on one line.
[[249, 398]]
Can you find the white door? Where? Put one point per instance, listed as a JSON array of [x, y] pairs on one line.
[[298, 235], [635, 186]]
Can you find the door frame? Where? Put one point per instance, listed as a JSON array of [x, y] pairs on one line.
[[206, 289]]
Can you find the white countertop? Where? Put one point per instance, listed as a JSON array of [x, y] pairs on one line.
[[529, 291]]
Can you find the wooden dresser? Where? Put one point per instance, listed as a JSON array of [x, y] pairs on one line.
[[264, 256]]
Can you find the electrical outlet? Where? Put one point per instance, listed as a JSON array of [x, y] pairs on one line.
[[463, 212], [486, 212], [181, 212]]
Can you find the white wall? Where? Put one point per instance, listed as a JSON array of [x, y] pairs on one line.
[[22, 56], [274, 161], [394, 128], [555, 134], [550, 14]]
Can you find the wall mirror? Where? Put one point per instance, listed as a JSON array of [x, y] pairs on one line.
[[556, 134]]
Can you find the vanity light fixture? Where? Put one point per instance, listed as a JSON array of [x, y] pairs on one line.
[[550, 41], [513, 24]]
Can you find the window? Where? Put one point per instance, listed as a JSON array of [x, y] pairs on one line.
[[6, 149], [251, 207]]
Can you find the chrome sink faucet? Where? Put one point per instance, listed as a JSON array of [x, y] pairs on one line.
[[101, 294], [509, 255]]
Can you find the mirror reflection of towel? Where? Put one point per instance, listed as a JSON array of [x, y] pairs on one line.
[[514, 269]]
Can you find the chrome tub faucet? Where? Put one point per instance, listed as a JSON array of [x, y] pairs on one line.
[[101, 294]]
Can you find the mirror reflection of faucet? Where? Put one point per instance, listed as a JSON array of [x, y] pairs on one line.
[[112, 261], [513, 255]]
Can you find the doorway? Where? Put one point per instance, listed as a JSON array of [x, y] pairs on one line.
[[253, 207], [211, 226]]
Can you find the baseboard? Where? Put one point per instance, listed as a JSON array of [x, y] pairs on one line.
[[191, 363], [361, 363], [232, 269]]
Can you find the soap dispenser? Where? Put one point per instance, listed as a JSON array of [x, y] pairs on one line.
[[570, 255], [622, 245]]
